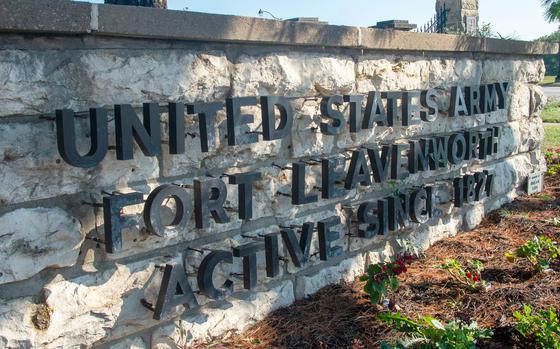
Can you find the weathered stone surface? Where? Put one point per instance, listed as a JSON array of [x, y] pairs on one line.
[[442, 228], [538, 99], [86, 309], [520, 101], [293, 75], [130, 343], [33, 239], [528, 70], [474, 216], [40, 82], [32, 169], [238, 312], [347, 270], [411, 73], [531, 134]]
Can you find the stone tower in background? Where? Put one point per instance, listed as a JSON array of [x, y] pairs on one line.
[[145, 3], [462, 15]]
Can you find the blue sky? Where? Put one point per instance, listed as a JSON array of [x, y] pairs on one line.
[[522, 18]]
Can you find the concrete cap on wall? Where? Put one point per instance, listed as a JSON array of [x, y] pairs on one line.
[[65, 17]]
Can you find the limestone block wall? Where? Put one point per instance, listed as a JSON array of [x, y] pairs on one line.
[[58, 286]]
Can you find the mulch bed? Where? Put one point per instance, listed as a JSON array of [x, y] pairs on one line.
[[341, 316]]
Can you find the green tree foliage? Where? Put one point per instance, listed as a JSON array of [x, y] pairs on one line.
[[551, 61], [551, 10]]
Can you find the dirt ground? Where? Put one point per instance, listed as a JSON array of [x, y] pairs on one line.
[[341, 316]]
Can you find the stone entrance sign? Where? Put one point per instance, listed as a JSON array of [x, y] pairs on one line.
[[194, 173]]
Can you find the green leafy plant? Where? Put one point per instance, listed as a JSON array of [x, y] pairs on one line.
[[552, 157], [504, 213], [428, 332], [382, 277], [394, 187], [540, 252], [469, 276], [543, 326]]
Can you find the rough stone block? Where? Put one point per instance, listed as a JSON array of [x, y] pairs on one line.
[[39, 82], [33, 239], [293, 75], [86, 309], [32, 169], [235, 314], [346, 270]]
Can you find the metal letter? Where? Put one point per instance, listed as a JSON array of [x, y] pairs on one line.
[[375, 111], [66, 137], [174, 290], [209, 198], [114, 223], [380, 164], [410, 109], [471, 138], [438, 152], [458, 105], [268, 104], [326, 237], [376, 216], [392, 99], [458, 192], [152, 210], [428, 101], [457, 148], [206, 273], [398, 211], [419, 156], [489, 183], [355, 111], [245, 192], [176, 128], [298, 186], [480, 179], [501, 89], [206, 114], [249, 254], [396, 161], [128, 126], [237, 129], [329, 175], [271, 253], [473, 99], [488, 98], [358, 172], [485, 145], [327, 111], [299, 252], [469, 187], [419, 210], [496, 136]]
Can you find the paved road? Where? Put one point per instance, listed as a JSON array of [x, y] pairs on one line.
[[552, 91]]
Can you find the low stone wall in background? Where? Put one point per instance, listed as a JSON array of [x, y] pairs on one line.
[[59, 287]]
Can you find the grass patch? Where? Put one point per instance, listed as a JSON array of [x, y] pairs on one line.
[[548, 80], [551, 137], [551, 112], [544, 197]]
